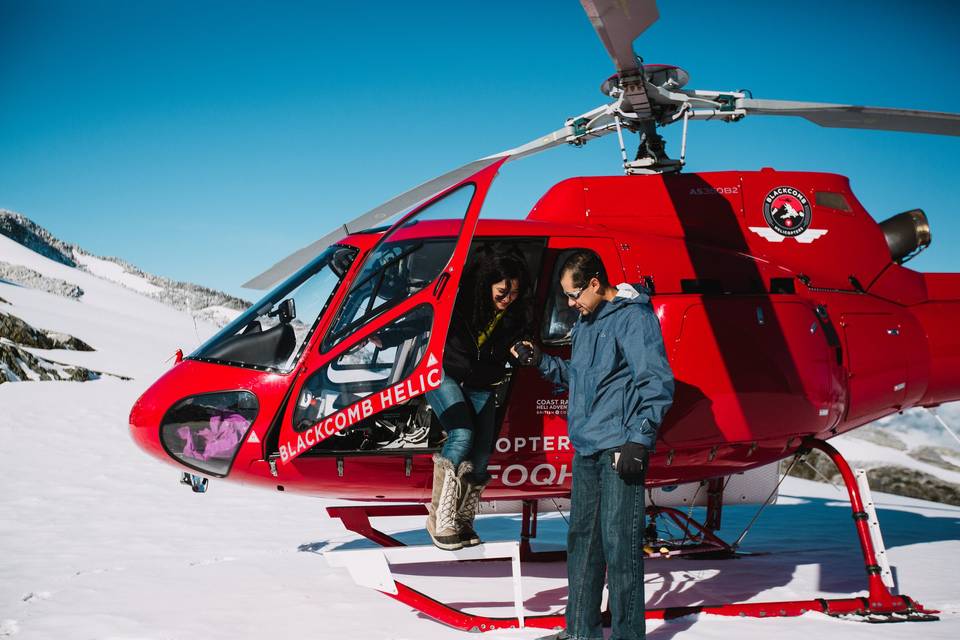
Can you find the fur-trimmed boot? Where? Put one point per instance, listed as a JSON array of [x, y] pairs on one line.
[[467, 511], [442, 521]]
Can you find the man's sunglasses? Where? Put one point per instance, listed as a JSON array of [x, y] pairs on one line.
[[575, 295]]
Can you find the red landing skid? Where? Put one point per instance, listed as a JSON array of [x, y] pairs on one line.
[[693, 538], [879, 606]]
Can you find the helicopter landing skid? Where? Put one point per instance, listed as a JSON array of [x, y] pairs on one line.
[[357, 519], [880, 605], [694, 539]]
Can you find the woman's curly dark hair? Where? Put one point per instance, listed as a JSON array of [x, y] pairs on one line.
[[489, 266]]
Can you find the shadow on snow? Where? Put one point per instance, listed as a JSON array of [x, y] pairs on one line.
[[816, 532]]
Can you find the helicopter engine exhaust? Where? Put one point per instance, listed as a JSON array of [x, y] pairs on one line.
[[907, 234]]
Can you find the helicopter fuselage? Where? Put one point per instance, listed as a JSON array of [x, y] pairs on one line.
[[783, 314]]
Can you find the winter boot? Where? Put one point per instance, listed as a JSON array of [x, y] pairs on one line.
[[442, 521], [467, 511]]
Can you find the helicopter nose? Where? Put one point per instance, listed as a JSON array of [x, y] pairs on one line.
[[145, 427], [203, 431]]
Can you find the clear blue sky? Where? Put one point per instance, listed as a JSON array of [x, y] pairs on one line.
[[206, 140]]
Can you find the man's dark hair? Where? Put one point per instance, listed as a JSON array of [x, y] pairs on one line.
[[584, 265]]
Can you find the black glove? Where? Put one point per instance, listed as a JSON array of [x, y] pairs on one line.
[[632, 461], [528, 354]]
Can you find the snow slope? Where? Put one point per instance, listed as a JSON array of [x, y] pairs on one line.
[[99, 541], [133, 334], [113, 271], [206, 304]]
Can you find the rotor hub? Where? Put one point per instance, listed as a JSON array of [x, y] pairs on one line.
[[666, 76]]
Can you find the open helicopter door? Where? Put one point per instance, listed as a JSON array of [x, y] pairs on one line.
[[384, 345]]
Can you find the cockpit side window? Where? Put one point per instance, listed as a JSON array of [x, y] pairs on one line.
[[401, 264]]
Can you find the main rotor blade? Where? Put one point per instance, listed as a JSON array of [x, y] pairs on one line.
[[387, 210], [857, 117], [594, 123], [618, 23], [597, 118]]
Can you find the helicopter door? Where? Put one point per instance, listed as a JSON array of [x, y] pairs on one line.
[[384, 346]]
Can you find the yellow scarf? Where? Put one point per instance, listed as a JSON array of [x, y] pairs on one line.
[[489, 329]]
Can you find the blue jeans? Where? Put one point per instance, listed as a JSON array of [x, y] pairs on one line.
[[467, 415], [605, 537]]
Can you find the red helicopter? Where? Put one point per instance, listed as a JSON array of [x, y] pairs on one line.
[[786, 311]]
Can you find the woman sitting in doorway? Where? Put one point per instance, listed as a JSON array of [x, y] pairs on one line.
[[492, 312]]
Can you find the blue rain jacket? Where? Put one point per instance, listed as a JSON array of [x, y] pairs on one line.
[[619, 379]]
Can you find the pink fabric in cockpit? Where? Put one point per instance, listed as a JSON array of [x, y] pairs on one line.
[[220, 438]]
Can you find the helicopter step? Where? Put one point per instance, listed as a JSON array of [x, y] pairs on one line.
[[371, 567]]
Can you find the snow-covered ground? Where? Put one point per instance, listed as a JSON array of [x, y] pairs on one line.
[[99, 541]]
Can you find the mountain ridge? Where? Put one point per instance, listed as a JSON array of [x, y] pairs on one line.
[[185, 296]]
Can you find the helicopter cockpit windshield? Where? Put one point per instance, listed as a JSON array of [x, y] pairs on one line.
[[271, 334]]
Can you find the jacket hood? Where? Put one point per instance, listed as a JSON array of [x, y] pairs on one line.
[[626, 294], [629, 292]]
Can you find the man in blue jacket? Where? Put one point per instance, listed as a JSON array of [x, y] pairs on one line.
[[620, 387]]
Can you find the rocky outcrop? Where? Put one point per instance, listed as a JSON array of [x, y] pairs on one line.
[[814, 466], [18, 365], [31, 279], [913, 484], [878, 434], [24, 231], [19, 332], [897, 480], [937, 456]]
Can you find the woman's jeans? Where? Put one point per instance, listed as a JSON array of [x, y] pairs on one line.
[[467, 415], [605, 537]]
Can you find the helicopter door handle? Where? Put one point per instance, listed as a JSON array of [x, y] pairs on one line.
[[441, 284], [893, 332]]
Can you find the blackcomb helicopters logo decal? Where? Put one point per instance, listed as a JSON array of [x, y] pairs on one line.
[[415, 385], [788, 215]]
